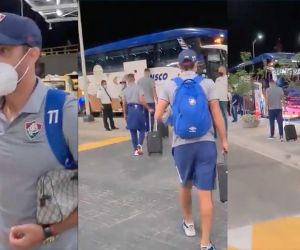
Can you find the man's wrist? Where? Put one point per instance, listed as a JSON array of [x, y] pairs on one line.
[[48, 232]]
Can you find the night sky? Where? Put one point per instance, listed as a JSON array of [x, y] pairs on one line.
[[58, 36], [105, 22], [275, 19]]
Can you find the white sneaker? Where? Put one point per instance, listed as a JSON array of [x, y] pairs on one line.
[[210, 247], [140, 149], [189, 229], [136, 153]]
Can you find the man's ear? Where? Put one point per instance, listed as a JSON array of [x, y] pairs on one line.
[[35, 54]]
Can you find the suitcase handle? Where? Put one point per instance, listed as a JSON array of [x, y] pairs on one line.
[[155, 123]]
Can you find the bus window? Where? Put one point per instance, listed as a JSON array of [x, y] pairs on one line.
[[113, 61], [168, 52], [142, 53]]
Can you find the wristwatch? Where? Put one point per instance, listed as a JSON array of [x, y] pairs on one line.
[[49, 237]]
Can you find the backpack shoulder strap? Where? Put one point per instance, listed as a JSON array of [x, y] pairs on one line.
[[178, 81], [198, 79], [53, 121]]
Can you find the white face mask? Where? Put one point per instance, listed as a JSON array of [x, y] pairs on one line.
[[9, 77]]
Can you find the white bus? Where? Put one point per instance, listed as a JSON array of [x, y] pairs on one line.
[[158, 52]]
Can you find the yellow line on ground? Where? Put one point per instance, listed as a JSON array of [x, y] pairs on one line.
[[232, 248], [278, 234], [102, 143]]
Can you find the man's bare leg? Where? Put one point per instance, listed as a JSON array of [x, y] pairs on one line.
[[185, 199], [206, 215]]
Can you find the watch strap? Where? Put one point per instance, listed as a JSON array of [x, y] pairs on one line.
[[47, 232]]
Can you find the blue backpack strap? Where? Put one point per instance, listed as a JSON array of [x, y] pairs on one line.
[[53, 121], [178, 81], [198, 79]]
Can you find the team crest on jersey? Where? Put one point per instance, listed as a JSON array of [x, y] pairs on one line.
[[192, 101], [2, 16], [33, 129]]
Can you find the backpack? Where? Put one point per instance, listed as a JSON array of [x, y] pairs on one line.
[[190, 111], [53, 121], [57, 189]]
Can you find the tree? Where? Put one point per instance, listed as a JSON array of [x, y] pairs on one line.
[[245, 56]]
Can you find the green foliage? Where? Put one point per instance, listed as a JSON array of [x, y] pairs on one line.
[[245, 56], [250, 118], [241, 82]]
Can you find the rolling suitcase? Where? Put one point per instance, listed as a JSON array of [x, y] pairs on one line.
[[290, 132], [163, 129], [154, 139], [222, 172]]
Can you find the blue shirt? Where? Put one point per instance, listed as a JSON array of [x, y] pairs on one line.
[[235, 99]]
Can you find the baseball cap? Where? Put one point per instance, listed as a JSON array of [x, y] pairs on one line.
[[19, 30], [187, 55]]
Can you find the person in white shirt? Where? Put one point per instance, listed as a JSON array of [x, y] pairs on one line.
[[105, 106], [222, 90]]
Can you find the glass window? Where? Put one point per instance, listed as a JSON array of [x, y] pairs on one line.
[[167, 53], [143, 53]]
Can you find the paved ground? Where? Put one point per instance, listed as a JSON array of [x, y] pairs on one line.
[[255, 139], [264, 188], [131, 203]]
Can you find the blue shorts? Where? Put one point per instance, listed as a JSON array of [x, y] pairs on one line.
[[135, 117], [196, 162]]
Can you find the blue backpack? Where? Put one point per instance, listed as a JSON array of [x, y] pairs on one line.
[[190, 112], [53, 121]]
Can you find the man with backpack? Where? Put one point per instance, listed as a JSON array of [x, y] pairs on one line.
[[27, 152], [195, 107]]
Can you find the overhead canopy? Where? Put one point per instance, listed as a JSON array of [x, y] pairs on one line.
[[54, 11], [263, 57]]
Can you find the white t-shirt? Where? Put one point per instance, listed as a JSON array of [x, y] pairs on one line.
[[103, 96], [222, 88]]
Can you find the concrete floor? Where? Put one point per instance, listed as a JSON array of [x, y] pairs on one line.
[[131, 203]]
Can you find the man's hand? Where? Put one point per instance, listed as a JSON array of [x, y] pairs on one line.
[[224, 146], [151, 110], [26, 236]]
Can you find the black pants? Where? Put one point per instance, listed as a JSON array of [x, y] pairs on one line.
[[276, 114], [108, 114]]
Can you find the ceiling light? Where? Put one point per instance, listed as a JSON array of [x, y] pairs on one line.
[[59, 12]]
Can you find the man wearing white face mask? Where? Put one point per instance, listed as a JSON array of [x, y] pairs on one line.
[[24, 150]]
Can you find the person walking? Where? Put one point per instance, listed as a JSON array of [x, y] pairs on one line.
[[194, 102], [274, 100], [147, 85], [222, 90], [25, 150], [106, 106], [235, 101], [134, 113]]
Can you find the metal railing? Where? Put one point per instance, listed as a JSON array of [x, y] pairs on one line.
[[61, 50]]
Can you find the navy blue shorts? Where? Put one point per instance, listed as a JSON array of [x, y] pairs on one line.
[[196, 162], [135, 117]]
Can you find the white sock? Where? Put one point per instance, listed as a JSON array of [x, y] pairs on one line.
[[208, 246]]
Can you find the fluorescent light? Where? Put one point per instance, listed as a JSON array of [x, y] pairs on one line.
[[59, 12]]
